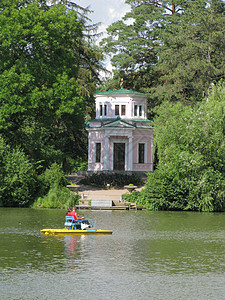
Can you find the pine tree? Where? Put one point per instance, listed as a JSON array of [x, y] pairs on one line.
[[170, 49], [193, 52]]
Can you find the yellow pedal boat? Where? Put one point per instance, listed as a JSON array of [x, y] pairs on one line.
[[75, 231], [72, 226]]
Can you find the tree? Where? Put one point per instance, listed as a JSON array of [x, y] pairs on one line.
[[191, 150], [171, 50], [133, 42], [47, 76], [91, 55], [192, 54], [18, 178]]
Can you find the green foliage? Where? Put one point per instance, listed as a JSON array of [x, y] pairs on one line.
[[48, 73], [71, 165], [80, 165], [57, 197], [17, 177], [170, 50], [20, 185], [191, 150], [52, 177], [136, 197], [192, 54], [131, 43], [53, 193], [117, 179]]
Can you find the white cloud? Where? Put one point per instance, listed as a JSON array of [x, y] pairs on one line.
[[116, 14], [102, 29], [106, 12]]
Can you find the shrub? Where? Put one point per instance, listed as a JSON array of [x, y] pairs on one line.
[[52, 177], [17, 177], [80, 165], [136, 197], [115, 179], [57, 198], [191, 171], [71, 165]]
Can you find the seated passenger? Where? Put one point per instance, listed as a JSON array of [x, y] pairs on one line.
[[74, 214], [68, 211]]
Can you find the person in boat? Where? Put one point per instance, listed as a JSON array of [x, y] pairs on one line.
[[73, 213], [68, 211]]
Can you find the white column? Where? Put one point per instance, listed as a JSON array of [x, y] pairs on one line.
[[130, 154], [89, 152], [106, 153]]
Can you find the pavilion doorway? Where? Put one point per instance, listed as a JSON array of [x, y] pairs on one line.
[[119, 156]]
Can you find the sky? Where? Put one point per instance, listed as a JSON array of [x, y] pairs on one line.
[[106, 12]]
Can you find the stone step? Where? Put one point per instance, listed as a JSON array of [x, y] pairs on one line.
[[103, 195], [89, 193], [102, 203]]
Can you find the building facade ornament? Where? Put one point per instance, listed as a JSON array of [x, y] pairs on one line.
[[120, 138]]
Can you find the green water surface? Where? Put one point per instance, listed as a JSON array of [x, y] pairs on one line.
[[150, 255]]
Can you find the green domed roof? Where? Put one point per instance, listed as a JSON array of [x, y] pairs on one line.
[[122, 91]]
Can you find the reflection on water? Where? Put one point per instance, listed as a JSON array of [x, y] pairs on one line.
[[150, 255], [71, 246]]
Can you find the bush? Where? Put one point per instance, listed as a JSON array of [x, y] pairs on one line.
[[191, 171], [71, 165], [53, 177], [57, 198], [17, 177], [136, 197], [116, 179], [80, 165]]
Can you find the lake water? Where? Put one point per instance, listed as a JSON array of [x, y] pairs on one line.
[[150, 255]]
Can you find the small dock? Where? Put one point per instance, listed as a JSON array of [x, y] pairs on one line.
[[102, 207], [94, 198]]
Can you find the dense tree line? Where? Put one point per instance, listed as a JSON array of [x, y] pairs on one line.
[[174, 52], [47, 79], [48, 72], [49, 69], [190, 140], [171, 50]]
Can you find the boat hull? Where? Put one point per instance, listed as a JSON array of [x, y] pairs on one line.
[[76, 232]]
